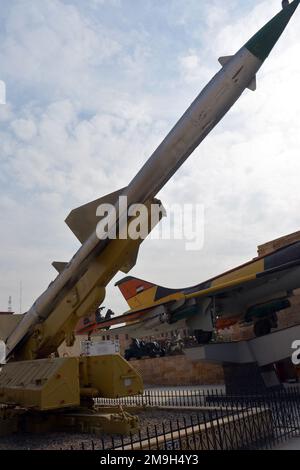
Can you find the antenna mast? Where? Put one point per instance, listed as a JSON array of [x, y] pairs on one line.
[[10, 304]]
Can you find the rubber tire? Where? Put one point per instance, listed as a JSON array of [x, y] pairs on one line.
[[203, 337], [262, 328]]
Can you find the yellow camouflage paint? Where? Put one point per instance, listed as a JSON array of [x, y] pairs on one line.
[[142, 298], [249, 269]]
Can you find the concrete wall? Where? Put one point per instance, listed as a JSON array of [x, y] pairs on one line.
[[178, 370]]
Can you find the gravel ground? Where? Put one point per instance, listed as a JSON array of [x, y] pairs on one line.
[[60, 440]]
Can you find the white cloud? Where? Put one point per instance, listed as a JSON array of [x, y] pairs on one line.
[[24, 129], [50, 48], [193, 68]]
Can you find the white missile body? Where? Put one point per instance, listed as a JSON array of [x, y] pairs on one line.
[[238, 73]]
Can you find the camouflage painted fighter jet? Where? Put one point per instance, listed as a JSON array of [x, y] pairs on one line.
[[251, 293]]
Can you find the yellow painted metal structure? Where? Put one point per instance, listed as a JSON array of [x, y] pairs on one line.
[[44, 384], [48, 384]]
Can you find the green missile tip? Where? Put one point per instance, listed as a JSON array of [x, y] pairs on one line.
[[265, 39]]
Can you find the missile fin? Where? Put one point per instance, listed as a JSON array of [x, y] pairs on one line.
[[83, 220], [131, 260], [252, 84], [59, 266], [224, 59]]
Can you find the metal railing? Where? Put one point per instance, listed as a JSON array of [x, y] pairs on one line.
[[209, 420], [161, 398]]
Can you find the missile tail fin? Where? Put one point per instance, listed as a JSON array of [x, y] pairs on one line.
[[83, 220], [131, 259], [59, 266], [224, 59], [252, 84]]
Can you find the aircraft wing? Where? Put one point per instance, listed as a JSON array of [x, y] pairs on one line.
[[134, 315], [246, 282], [130, 317], [145, 314]]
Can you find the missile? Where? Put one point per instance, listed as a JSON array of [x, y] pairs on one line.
[[238, 73]]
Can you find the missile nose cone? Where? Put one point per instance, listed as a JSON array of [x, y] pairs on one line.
[[265, 39]]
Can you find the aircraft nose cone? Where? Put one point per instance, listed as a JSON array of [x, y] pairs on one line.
[[265, 39]]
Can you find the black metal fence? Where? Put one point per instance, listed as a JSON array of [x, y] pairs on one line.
[[163, 398], [208, 420]]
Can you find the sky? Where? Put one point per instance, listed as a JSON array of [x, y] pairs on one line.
[[94, 86]]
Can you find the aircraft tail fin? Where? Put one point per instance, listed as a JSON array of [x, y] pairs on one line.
[[137, 292]]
